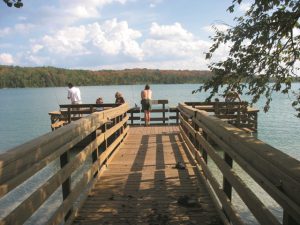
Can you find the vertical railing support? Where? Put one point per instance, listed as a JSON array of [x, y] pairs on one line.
[[196, 143], [69, 114], [204, 153], [226, 185], [66, 185], [164, 113], [131, 114], [95, 153]]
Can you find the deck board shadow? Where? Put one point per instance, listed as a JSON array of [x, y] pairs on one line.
[[142, 186]]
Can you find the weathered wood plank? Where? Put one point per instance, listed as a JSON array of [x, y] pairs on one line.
[[141, 183]]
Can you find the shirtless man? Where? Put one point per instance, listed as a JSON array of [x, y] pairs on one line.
[[146, 96]]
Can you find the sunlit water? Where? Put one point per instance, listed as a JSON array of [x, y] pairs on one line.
[[24, 116]]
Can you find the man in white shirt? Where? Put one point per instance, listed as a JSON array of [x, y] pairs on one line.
[[74, 94]]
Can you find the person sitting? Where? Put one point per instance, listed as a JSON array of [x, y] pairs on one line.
[[99, 101], [119, 98]]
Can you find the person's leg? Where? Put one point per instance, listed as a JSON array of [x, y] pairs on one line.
[[145, 117], [148, 117]]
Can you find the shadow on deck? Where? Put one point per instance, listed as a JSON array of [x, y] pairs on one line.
[[142, 185]]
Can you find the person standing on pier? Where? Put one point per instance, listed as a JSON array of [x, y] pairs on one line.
[[146, 96], [74, 94]]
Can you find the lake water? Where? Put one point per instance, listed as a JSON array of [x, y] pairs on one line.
[[24, 116], [24, 111]]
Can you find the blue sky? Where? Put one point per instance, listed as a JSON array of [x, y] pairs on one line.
[[112, 34]]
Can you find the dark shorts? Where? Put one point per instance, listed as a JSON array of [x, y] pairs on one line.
[[146, 104]]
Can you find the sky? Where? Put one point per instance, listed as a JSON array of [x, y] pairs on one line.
[[112, 34]]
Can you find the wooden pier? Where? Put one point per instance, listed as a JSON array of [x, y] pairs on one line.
[[106, 170], [141, 185]]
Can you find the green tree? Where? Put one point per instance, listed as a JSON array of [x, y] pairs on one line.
[[15, 3], [264, 51]]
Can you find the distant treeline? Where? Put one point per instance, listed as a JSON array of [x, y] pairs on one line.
[[15, 76]]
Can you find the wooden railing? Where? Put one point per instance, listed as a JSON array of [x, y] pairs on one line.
[[161, 114], [68, 113], [92, 140], [208, 138], [237, 113]]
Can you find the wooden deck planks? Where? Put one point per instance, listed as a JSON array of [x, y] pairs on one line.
[[142, 186]]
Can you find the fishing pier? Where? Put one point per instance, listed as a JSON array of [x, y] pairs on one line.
[[107, 168]]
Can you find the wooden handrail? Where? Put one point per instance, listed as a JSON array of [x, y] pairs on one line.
[[95, 137], [166, 115], [277, 173], [237, 113]]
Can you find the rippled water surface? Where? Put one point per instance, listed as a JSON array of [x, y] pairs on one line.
[[24, 112]]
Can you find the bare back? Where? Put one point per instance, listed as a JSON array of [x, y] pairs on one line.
[[146, 94]]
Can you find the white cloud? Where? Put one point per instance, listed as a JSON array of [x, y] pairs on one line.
[[23, 27], [5, 31], [67, 41], [111, 38], [40, 60], [86, 9], [173, 41], [22, 18], [36, 48], [167, 47], [244, 6], [114, 37], [169, 32], [19, 28], [195, 63], [6, 59], [154, 3], [67, 13]]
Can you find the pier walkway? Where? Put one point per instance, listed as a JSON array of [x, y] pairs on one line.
[[142, 185]]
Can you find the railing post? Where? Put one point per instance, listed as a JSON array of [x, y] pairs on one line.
[[164, 113], [119, 118], [95, 153], [196, 128], [238, 119], [255, 121], [226, 185], [131, 114], [204, 153], [227, 188], [66, 186], [125, 124], [69, 114], [103, 145]]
